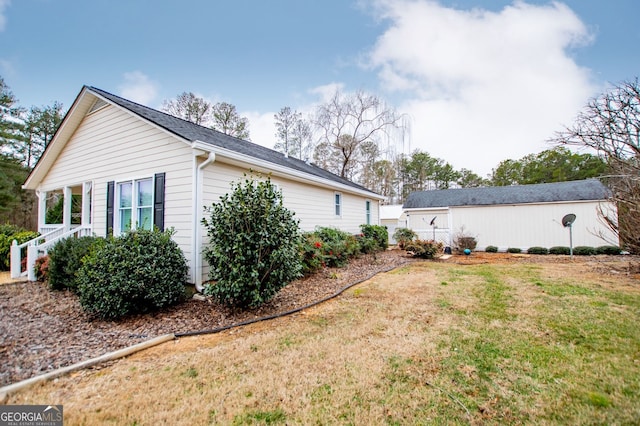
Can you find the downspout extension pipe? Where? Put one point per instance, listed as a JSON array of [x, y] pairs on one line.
[[197, 216]]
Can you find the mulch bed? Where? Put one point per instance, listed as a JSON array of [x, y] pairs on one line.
[[42, 330]]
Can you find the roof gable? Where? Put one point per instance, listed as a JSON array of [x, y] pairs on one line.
[[581, 190]]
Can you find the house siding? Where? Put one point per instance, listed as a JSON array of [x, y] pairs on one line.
[[112, 145], [530, 225]]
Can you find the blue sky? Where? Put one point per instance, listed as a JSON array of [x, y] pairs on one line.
[[481, 80]]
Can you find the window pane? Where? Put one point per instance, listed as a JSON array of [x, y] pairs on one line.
[[125, 220], [145, 192], [145, 221], [338, 200], [125, 194]]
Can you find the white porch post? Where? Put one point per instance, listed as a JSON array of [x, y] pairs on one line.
[[42, 209], [86, 204], [66, 211]]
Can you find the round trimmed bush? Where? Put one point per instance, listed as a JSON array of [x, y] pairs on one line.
[[65, 260], [514, 250], [538, 250], [610, 250], [491, 249], [560, 250], [138, 272], [584, 251]]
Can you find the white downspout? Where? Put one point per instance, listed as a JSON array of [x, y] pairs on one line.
[[197, 217]]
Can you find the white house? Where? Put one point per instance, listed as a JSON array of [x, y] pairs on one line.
[[520, 216], [127, 166]]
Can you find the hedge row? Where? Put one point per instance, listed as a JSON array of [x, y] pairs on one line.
[[563, 250]]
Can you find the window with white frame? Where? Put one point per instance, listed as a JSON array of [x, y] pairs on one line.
[[135, 205], [338, 203], [367, 205]]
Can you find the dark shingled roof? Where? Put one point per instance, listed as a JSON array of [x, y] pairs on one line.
[[193, 132], [590, 189]]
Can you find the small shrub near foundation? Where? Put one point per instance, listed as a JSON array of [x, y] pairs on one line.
[[538, 250], [584, 251], [378, 234], [138, 272], [491, 249], [404, 236], [610, 250], [514, 250], [65, 260], [560, 250], [425, 249]]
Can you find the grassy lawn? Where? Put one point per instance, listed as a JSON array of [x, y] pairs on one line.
[[431, 343]]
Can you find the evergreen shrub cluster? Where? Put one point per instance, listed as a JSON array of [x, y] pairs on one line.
[[491, 249], [333, 248]]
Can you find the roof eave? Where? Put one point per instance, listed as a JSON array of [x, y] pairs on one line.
[[282, 171]]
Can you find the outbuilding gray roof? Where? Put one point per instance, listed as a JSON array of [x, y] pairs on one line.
[[589, 189], [193, 132]]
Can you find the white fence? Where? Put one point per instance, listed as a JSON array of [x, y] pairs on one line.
[[39, 246]]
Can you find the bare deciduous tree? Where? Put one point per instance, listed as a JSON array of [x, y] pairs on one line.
[[610, 125], [345, 123], [189, 107], [227, 120]]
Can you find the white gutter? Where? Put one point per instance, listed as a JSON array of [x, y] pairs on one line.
[[196, 255]]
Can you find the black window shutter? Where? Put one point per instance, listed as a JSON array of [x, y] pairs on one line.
[[110, 201], [158, 201]]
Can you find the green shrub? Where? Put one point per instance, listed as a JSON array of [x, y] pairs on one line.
[[41, 268], [584, 251], [377, 233], [65, 260], [610, 250], [491, 249], [137, 272], [311, 252], [6, 240], [254, 245], [424, 249], [538, 250], [560, 250], [404, 236], [337, 246], [514, 250]]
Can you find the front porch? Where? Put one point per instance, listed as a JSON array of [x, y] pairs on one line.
[[62, 213]]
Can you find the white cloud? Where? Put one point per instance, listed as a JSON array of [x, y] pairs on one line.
[[138, 87], [3, 19], [262, 128], [482, 86]]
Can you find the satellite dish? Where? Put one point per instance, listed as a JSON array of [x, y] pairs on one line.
[[568, 219], [433, 221]]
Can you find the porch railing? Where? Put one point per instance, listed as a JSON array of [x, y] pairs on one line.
[[39, 246]]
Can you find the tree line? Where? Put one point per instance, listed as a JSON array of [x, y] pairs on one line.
[[24, 135], [359, 137]]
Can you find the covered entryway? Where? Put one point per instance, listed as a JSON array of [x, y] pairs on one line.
[[62, 213]]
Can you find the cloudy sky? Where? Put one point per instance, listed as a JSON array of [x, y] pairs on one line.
[[481, 80]]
